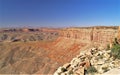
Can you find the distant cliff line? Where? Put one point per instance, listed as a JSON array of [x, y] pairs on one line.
[[97, 36]]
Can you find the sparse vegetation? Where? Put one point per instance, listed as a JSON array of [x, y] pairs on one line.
[[70, 72], [115, 42], [101, 57], [91, 69], [115, 50], [108, 47], [63, 69], [105, 69]]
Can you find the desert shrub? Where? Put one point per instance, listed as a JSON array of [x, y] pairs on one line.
[[108, 47], [4, 37], [91, 69], [32, 38], [63, 69], [40, 37], [70, 72], [115, 51], [105, 69], [101, 57], [115, 42]]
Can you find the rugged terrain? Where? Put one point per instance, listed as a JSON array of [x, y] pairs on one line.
[[95, 61], [42, 51], [92, 61]]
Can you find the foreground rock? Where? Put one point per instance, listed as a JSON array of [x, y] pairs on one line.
[[115, 71], [91, 61]]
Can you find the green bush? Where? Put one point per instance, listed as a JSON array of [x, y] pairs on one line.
[[91, 69], [115, 51]]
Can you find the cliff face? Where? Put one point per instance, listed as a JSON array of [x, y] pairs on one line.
[[95, 35]]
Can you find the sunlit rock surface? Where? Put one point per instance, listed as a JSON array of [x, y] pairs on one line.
[[42, 51]]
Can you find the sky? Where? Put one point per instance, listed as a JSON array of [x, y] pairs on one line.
[[59, 13]]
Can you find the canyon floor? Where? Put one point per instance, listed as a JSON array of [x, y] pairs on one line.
[[35, 52]]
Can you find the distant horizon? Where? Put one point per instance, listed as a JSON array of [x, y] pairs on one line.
[[62, 27], [59, 13]]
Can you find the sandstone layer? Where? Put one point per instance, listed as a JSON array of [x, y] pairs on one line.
[[95, 35]]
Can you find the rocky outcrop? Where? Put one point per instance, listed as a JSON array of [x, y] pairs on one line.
[[115, 71], [88, 61]]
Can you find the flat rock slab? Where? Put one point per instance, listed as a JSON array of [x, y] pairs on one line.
[[115, 71]]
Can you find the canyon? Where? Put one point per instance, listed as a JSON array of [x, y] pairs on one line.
[[42, 51]]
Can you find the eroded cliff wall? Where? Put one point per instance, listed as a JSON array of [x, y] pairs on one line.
[[96, 36]]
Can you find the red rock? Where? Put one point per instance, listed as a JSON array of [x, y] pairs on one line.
[[40, 57]]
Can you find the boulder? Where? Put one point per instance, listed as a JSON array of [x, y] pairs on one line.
[[94, 49], [93, 61], [56, 73], [102, 68], [67, 65], [105, 67], [111, 65], [115, 71], [100, 62], [75, 62], [106, 56], [83, 58], [87, 65], [63, 74], [61, 69], [80, 71], [70, 68], [100, 48], [88, 53], [117, 63]]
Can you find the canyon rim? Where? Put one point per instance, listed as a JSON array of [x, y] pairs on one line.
[[43, 50]]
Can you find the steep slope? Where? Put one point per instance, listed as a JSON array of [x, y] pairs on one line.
[[29, 57], [41, 57]]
